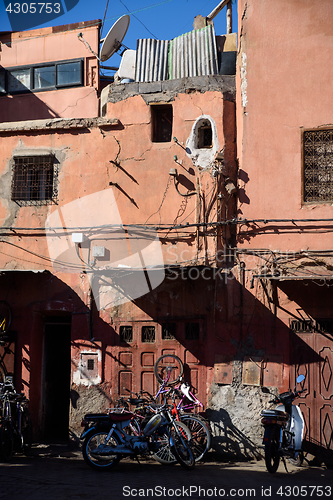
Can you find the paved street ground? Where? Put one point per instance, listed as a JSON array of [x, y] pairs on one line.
[[59, 473]]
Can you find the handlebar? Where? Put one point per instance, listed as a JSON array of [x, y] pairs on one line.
[[292, 395]]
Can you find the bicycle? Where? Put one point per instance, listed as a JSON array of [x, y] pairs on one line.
[[145, 406], [16, 426], [169, 370]]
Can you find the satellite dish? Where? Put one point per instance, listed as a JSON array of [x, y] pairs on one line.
[[112, 41]]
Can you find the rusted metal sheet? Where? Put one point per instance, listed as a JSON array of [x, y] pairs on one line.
[[193, 54], [252, 370], [272, 371], [151, 60], [222, 369]]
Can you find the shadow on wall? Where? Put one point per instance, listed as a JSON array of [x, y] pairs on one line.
[[228, 441]]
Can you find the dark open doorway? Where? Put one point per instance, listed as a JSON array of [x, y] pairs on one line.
[[57, 369]]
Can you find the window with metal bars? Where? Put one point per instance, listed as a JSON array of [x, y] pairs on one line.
[[148, 334], [318, 166], [126, 333], [34, 180], [192, 331], [91, 364], [169, 331]]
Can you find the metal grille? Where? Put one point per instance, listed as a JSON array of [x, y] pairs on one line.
[[91, 364], [169, 331], [318, 166], [192, 331], [148, 334], [126, 334], [324, 326], [34, 180]]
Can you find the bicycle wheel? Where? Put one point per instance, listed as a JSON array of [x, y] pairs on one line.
[[6, 441], [201, 435], [5, 316], [97, 453], [180, 443], [168, 369], [164, 454]]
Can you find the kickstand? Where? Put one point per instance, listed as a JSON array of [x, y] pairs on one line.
[[137, 459], [285, 465]]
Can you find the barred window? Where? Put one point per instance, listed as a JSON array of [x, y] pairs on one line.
[[318, 166], [169, 331], [126, 333], [192, 331], [33, 181], [148, 334]]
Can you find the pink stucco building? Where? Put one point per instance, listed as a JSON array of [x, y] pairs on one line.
[[181, 215]]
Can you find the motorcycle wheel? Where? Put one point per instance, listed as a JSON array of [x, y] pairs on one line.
[[164, 454], [272, 457], [180, 447], [26, 431], [93, 446], [201, 435]]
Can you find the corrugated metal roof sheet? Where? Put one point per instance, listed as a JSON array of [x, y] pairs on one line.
[[151, 60], [191, 54]]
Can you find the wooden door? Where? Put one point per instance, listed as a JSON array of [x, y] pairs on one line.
[[312, 355]]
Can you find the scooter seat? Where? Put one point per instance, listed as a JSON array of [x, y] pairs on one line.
[[120, 417], [96, 416]]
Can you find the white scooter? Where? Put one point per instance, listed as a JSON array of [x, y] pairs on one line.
[[284, 429]]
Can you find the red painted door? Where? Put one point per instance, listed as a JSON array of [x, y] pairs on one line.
[[140, 345], [312, 355]]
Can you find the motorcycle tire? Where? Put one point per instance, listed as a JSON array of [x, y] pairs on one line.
[[92, 455], [272, 457], [180, 445]]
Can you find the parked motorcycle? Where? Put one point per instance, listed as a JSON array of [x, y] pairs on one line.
[[284, 429], [108, 438]]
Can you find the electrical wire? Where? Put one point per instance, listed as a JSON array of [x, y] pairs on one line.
[[138, 19], [106, 8]]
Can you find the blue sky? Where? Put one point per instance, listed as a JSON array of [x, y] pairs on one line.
[[162, 19]]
